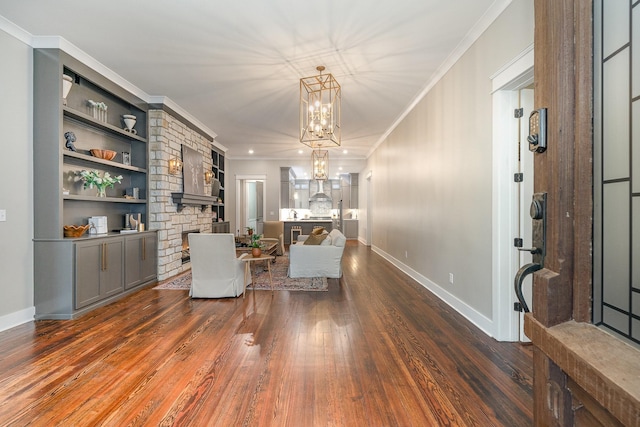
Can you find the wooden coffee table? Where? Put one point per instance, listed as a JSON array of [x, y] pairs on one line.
[[247, 259], [269, 248]]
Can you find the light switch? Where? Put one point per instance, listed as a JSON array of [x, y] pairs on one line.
[[3, 215]]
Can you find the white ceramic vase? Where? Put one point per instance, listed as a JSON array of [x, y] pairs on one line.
[[129, 122], [67, 82]]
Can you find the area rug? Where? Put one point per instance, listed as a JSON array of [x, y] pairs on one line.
[[261, 279]]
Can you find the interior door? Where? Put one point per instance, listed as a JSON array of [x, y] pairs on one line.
[[525, 195]]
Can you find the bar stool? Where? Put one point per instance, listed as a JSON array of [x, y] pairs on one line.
[[295, 229]]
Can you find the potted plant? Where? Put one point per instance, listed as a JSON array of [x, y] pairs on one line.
[[249, 231], [256, 245]]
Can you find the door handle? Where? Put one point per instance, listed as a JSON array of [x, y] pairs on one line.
[[538, 249], [524, 271]]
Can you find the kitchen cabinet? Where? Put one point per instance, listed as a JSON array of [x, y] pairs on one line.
[[140, 259], [307, 227], [336, 193], [350, 228], [287, 188], [301, 195], [354, 193], [99, 270]]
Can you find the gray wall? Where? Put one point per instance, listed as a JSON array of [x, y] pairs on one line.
[[432, 177], [16, 191]]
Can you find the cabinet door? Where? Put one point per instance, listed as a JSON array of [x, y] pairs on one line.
[[149, 257], [112, 274], [99, 272], [88, 266], [284, 195], [132, 257]]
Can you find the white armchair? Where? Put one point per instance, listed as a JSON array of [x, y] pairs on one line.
[[215, 270], [323, 260], [273, 231]]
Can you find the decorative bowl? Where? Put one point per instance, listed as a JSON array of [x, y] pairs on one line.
[[75, 230], [103, 154]]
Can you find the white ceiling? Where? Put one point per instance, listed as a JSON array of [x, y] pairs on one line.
[[235, 65]]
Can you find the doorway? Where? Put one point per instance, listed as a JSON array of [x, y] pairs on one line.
[[250, 202], [512, 90]]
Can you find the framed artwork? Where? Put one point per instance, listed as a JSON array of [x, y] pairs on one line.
[[192, 171], [126, 158]]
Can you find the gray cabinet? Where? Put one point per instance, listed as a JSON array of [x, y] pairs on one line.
[[350, 228], [75, 275], [301, 195], [287, 188], [99, 270], [353, 197], [140, 259], [220, 227]]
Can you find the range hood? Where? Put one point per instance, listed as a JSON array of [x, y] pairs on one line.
[[320, 196]]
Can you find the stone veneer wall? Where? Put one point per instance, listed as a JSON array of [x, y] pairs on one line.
[[167, 135]]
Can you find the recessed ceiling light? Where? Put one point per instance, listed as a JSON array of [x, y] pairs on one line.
[[340, 168], [345, 151], [250, 151], [300, 151]]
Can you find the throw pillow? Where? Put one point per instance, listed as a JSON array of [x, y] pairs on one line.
[[318, 231], [314, 239]]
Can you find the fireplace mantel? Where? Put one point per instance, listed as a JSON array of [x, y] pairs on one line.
[[185, 199]]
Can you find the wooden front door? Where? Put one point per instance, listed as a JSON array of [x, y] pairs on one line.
[[572, 385]]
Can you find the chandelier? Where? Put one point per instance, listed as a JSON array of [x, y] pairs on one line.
[[320, 110], [320, 164]]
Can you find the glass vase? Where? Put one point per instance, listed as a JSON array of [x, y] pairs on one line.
[[102, 192]]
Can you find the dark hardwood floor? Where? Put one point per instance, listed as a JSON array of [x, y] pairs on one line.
[[377, 349]]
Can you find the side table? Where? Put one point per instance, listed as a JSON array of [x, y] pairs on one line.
[[247, 269]]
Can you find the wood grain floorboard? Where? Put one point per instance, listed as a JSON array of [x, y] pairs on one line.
[[377, 349]]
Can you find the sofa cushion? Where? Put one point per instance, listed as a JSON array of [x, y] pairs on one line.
[[315, 239], [319, 231], [337, 238], [326, 241]]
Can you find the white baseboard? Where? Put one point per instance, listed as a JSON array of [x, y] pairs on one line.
[[478, 319], [16, 318]]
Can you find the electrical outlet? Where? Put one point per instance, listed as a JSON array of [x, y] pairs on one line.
[[451, 278], [3, 215]]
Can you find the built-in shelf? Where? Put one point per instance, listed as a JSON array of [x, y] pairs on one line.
[[103, 199], [85, 118], [90, 158], [184, 199]]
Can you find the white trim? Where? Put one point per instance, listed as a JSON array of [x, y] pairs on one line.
[[510, 75], [15, 31], [16, 318], [156, 99], [474, 33], [478, 319], [255, 177], [504, 193]]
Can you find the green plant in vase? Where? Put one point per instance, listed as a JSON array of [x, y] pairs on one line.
[[256, 245], [93, 179]]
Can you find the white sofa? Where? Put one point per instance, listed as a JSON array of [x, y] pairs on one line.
[[324, 260]]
